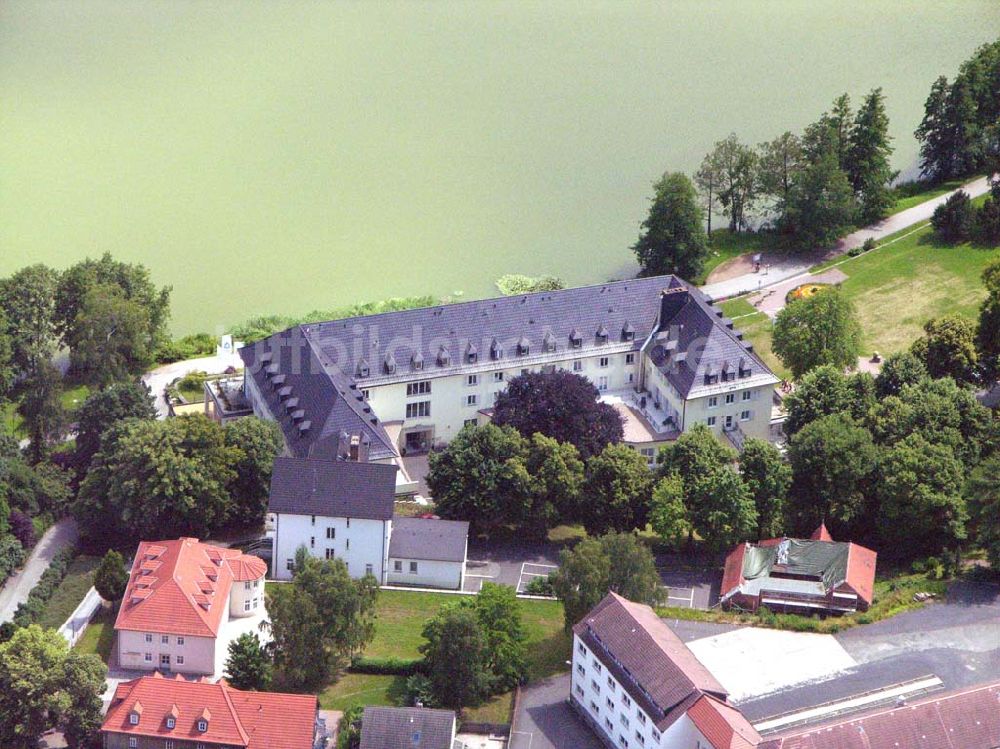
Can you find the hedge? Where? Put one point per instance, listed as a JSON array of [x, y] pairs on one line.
[[30, 610], [390, 666]]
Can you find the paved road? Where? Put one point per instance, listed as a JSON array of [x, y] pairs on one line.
[[792, 267], [160, 377], [18, 586]]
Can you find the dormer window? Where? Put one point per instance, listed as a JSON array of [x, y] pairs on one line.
[[471, 354], [575, 339], [548, 342], [171, 723], [389, 364], [601, 336], [363, 370], [496, 350], [133, 718], [523, 346], [203, 725], [443, 357], [417, 362], [628, 332]]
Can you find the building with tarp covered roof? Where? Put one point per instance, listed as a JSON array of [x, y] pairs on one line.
[[808, 575]]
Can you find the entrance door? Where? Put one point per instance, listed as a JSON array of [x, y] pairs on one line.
[[418, 442], [729, 422]]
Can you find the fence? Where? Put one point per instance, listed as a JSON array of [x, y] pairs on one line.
[[74, 627]]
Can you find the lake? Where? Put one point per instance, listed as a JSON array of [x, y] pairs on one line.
[[284, 156]]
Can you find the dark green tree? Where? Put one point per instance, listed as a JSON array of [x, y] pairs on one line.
[[557, 474], [7, 372], [695, 452], [41, 408], [948, 348], [103, 409], [259, 442], [481, 477], [154, 479], [868, 158], [616, 491], [921, 507], [934, 133], [456, 657], [952, 220], [668, 515], [672, 237], [248, 665], [988, 327], [349, 728], [27, 301], [722, 508], [820, 204], [499, 614], [633, 573], [822, 329], [780, 163], [832, 460], [739, 171], [768, 477], [111, 577], [898, 370], [821, 391], [986, 225], [83, 687], [982, 492]]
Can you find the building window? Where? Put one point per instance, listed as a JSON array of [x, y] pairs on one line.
[[331, 533], [602, 362], [626, 700], [418, 388], [417, 410], [622, 740], [710, 421], [608, 724], [246, 605], [148, 657], [602, 383], [656, 736], [747, 395], [179, 659], [730, 397], [713, 401], [471, 400], [639, 738], [472, 380], [630, 358], [581, 649], [133, 718], [365, 393], [641, 717], [579, 690], [164, 639], [313, 520], [180, 640], [133, 742], [470, 422], [413, 568], [744, 416], [397, 566], [312, 545], [347, 544], [594, 708], [623, 718], [246, 585], [498, 377], [289, 564], [330, 554], [202, 726], [149, 637], [580, 669], [168, 745], [165, 659], [595, 686], [597, 667], [578, 366], [611, 683], [610, 703]]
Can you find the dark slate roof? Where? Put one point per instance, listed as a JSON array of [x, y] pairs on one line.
[[325, 364], [332, 488], [648, 659], [428, 539], [406, 728], [321, 397]]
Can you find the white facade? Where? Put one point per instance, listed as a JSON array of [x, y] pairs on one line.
[[426, 574], [362, 544], [617, 718]]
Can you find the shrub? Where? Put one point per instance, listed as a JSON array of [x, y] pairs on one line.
[[392, 665], [11, 556], [869, 245], [539, 586], [855, 251], [420, 691], [30, 610], [188, 347], [22, 528], [953, 219]]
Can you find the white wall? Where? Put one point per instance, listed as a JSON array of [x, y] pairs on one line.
[[198, 652], [447, 575], [241, 592], [359, 542]]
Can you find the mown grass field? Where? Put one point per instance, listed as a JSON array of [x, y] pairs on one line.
[[79, 578], [99, 635], [398, 633]]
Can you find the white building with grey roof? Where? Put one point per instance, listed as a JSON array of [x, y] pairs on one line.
[[406, 381]]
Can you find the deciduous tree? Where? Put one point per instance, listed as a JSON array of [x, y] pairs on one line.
[[948, 348], [672, 237], [767, 476], [820, 204], [616, 491], [259, 442], [27, 301], [41, 408], [780, 163], [821, 329], [668, 515], [899, 370], [103, 409], [111, 577], [953, 219], [982, 492], [248, 665], [456, 657], [557, 474]]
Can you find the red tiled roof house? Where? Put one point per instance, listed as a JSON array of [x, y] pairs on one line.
[[636, 684], [185, 601], [154, 712], [804, 575]]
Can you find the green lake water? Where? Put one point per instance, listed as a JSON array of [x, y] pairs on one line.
[[282, 156]]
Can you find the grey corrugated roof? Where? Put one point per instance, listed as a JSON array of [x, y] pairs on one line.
[[332, 488], [428, 539], [648, 659], [322, 362], [406, 728]]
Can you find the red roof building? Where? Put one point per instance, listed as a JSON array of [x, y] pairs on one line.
[[964, 719], [182, 596], [788, 574], [155, 711]]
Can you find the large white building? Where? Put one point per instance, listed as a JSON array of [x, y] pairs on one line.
[[343, 509], [638, 686], [405, 381], [184, 603]]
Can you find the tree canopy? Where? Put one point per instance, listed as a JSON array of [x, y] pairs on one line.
[[672, 239], [817, 330]]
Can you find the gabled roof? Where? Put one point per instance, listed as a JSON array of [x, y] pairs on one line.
[[723, 725], [255, 720], [182, 586], [650, 661], [332, 488], [406, 728], [965, 719], [428, 539]]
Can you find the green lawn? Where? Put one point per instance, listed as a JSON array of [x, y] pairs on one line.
[[99, 635], [79, 578], [72, 398], [401, 618], [915, 193], [738, 307], [724, 245]]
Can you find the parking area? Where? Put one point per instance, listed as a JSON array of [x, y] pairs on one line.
[[544, 720], [691, 589]]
